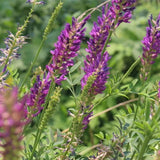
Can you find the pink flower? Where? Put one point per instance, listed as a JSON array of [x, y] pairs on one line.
[[12, 121]]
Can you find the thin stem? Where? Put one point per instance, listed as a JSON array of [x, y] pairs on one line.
[[110, 33], [111, 108], [39, 131], [32, 64], [107, 41], [135, 152], [68, 146], [148, 137], [38, 135], [89, 149], [91, 10], [135, 115], [100, 101], [129, 71], [45, 34]]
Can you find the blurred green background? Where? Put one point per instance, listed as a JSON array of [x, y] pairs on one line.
[[125, 48]]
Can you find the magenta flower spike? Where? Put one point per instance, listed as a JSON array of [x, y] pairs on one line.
[[12, 121], [66, 49], [151, 46], [100, 68], [96, 62], [37, 96], [87, 116]]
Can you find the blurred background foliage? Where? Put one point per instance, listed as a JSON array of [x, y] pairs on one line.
[[125, 48]]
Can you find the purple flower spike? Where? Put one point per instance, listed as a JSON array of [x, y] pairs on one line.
[[151, 46], [86, 120], [4, 52], [96, 62], [100, 68], [38, 95], [12, 121], [66, 49]]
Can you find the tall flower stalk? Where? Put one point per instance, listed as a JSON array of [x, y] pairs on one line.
[[97, 60], [120, 11], [12, 121], [151, 46], [45, 34], [13, 44], [66, 49], [37, 96]]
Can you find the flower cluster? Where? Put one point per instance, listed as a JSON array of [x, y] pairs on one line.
[[66, 49], [121, 11], [86, 119], [151, 46], [4, 52], [12, 121], [96, 62], [98, 66], [37, 96], [9, 53]]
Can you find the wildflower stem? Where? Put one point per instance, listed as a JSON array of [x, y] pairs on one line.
[[38, 135], [148, 136], [39, 130], [110, 33], [68, 146], [45, 34], [116, 106], [144, 146], [32, 64], [107, 41], [129, 71]]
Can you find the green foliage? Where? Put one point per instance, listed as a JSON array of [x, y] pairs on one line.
[[123, 131]]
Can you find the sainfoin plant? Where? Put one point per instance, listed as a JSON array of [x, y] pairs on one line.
[[30, 111]]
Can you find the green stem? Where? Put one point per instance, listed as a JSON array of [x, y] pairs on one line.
[[148, 137], [129, 71], [107, 41], [135, 115], [39, 131], [68, 146], [45, 34], [32, 64], [111, 31], [144, 146], [135, 151], [38, 135]]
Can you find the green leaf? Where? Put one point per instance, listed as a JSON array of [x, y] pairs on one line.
[[123, 95], [69, 82], [75, 67], [77, 80], [129, 110], [133, 83], [139, 125], [100, 135]]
